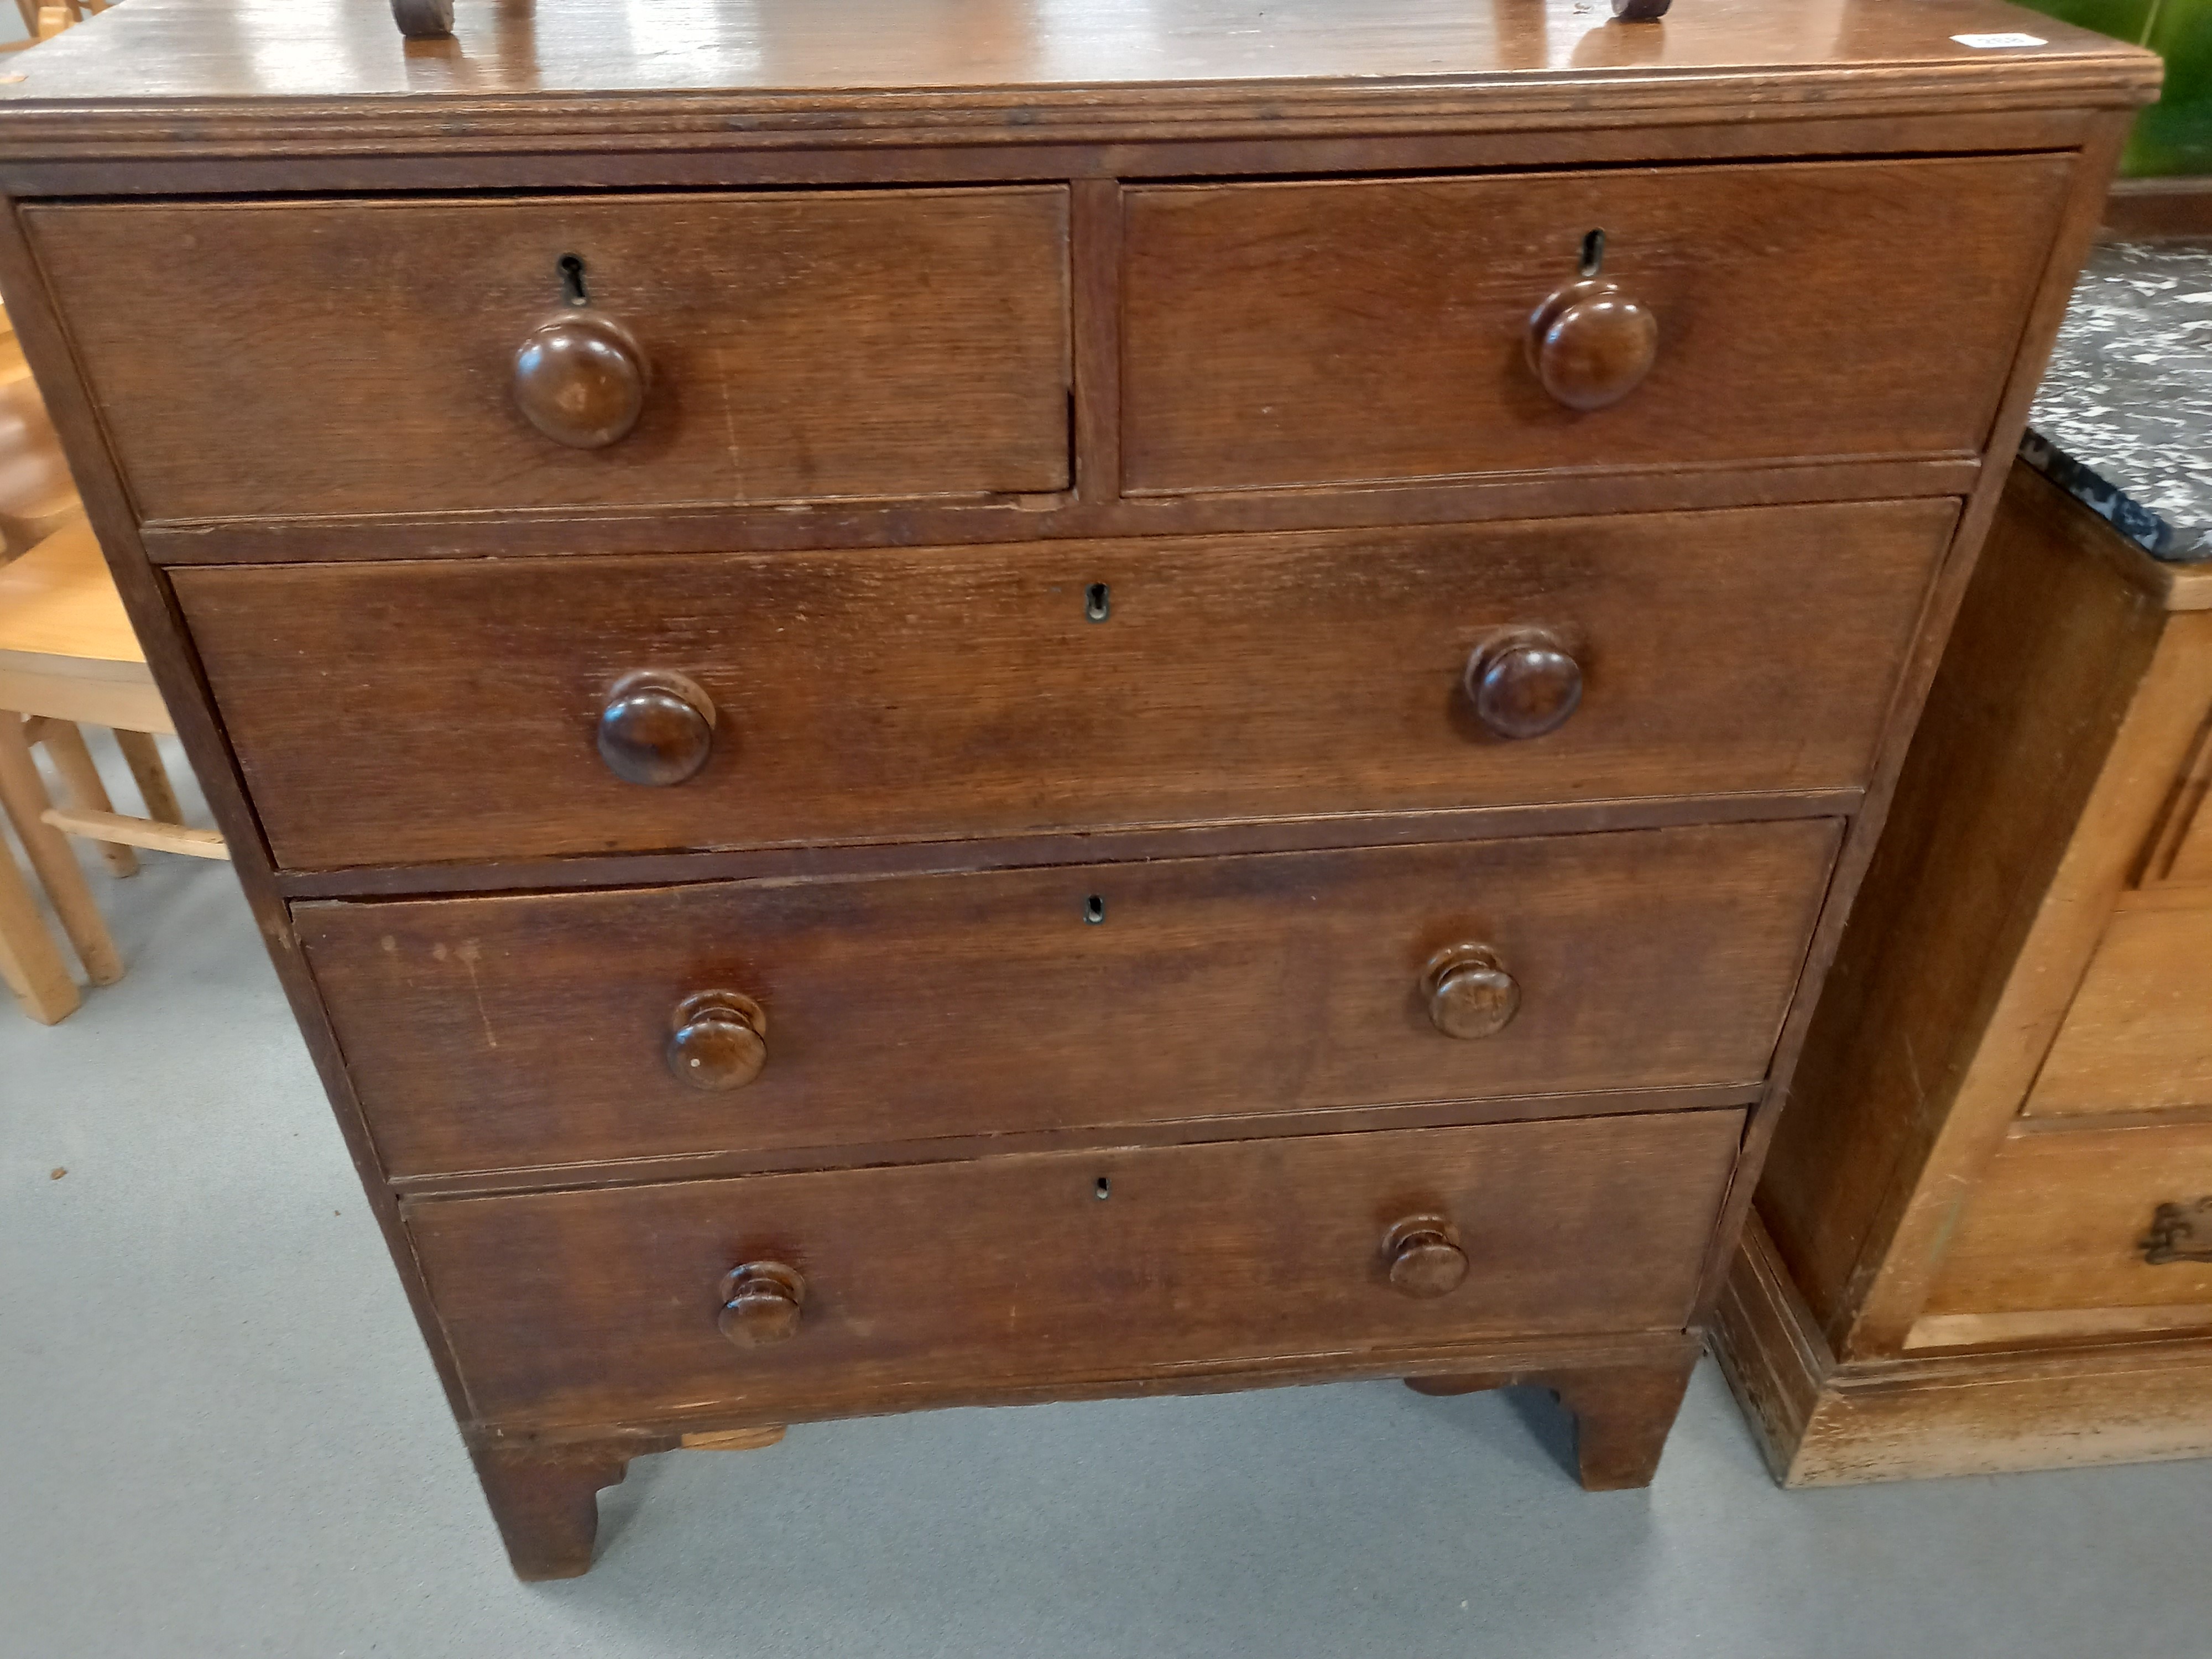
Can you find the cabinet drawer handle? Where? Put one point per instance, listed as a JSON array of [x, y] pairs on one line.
[[1591, 345], [720, 1040], [581, 379], [656, 729], [1425, 1256], [762, 1302], [2180, 1232], [1470, 994], [1523, 684]]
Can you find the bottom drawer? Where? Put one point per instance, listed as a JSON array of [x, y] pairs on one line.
[[2083, 1232], [935, 1282], [2138, 1037]]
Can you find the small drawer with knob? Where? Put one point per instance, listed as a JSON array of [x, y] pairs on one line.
[[817, 1294], [1368, 330], [760, 700], [771, 1017], [415, 355], [2078, 1228]]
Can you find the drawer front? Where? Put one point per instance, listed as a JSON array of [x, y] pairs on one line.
[[2138, 1037], [1281, 334], [452, 708], [2182, 850], [2091, 1220], [486, 1033], [938, 1283], [356, 357]]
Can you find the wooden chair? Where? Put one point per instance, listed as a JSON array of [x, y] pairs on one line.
[[68, 654], [37, 494], [30, 964], [45, 19], [37, 497]]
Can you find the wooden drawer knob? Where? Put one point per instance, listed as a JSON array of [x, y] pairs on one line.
[[656, 729], [1425, 1256], [424, 20], [580, 380], [1470, 994], [1591, 345], [762, 1302], [2180, 1232], [1523, 685], [720, 1041]]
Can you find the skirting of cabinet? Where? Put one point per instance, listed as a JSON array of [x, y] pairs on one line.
[[1820, 1423]]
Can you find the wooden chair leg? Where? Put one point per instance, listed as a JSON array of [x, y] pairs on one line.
[[546, 1501], [1623, 1413], [143, 756], [81, 780], [23, 794], [30, 963]]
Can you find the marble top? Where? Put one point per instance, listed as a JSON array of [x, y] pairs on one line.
[[2124, 421]]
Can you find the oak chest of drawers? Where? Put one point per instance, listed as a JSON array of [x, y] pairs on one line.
[[1984, 1241], [946, 707]]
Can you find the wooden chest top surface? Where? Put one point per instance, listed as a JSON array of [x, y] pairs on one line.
[[168, 71]]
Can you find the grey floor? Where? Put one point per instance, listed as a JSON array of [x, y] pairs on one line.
[[219, 1435]]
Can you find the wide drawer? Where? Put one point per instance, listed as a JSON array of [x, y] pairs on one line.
[[2138, 1037], [493, 1032], [1283, 334], [397, 714], [358, 356], [944, 1282], [2100, 1230]]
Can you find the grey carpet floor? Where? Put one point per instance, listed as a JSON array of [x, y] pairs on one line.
[[219, 1435]]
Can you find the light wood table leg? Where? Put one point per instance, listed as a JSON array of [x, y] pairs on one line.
[[143, 756], [24, 795], [73, 762], [30, 963]]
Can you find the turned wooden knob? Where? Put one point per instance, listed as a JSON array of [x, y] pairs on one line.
[[762, 1302], [1523, 685], [424, 20], [1591, 345], [1470, 994], [656, 729], [1425, 1256], [720, 1040], [580, 380]]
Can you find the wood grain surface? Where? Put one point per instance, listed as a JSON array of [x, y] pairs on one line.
[[1821, 1424], [897, 696], [2182, 853], [862, 344], [1346, 330], [2059, 1221], [1924, 1027], [200, 77], [2139, 1035], [484, 1033], [1299, 689], [923, 1281]]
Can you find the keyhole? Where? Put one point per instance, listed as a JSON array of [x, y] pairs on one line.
[[572, 281], [1094, 909], [1103, 1190], [1097, 602], [1593, 253]]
